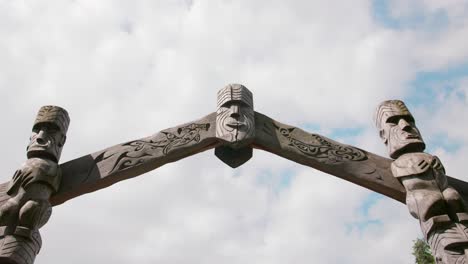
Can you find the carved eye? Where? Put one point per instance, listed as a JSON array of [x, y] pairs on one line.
[[394, 120], [283, 131], [52, 130], [227, 104]]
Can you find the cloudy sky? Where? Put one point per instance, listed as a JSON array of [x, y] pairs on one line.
[[127, 69]]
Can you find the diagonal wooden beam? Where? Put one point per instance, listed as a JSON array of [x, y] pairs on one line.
[[343, 161], [124, 161]]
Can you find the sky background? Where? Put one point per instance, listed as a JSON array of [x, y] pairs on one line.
[[128, 69]]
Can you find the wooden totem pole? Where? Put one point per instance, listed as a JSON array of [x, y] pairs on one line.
[[430, 199], [234, 130], [28, 207]]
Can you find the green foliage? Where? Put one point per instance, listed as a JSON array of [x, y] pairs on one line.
[[422, 252]]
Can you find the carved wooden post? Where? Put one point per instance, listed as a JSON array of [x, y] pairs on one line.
[[439, 207], [28, 207]]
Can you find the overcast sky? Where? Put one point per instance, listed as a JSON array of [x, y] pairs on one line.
[[128, 69]]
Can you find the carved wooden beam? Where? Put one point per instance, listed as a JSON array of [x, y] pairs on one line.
[[124, 161], [343, 161]]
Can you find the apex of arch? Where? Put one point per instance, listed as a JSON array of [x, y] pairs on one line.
[[235, 124]]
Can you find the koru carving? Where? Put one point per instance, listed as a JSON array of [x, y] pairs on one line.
[[28, 207], [138, 151], [439, 207], [321, 149], [414, 177]]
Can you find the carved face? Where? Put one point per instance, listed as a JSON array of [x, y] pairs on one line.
[[46, 141], [235, 115], [398, 130]]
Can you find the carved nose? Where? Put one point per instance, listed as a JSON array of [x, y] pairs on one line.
[[404, 125], [41, 137], [235, 111]]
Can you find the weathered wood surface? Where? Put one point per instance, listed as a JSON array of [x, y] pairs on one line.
[[124, 161], [460, 186], [344, 161], [121, 162], [235, 125], [437, 206], [104, 168]]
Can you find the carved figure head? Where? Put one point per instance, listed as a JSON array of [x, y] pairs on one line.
[[235, 121], [48, 133], [397, 128]]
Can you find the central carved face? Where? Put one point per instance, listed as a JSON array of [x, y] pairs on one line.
[[235, 115], [397, 129]]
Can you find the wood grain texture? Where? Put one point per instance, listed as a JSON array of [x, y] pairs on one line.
[[124, 161], [98, 170], [343, 161]]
